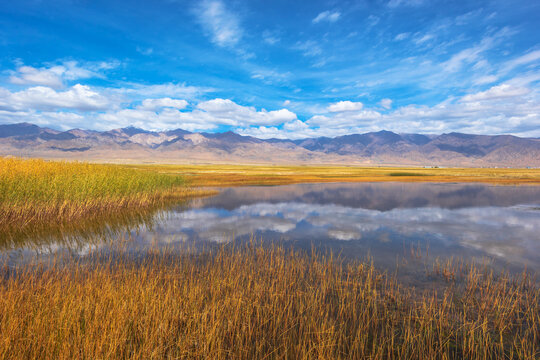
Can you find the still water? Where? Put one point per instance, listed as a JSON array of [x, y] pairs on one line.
[[389, 222]]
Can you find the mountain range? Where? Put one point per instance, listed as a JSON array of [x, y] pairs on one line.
[[133, 145]]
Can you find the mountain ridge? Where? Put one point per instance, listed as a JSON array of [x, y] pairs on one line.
[[131, 144]]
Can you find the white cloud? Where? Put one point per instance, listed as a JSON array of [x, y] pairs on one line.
[[396, 3], [345, 106], [402, 36], [153, 104], [528, 58], [497, 92], [155, 119], [373, 20], [502, 109], [309, 48], [473, 54], [27, 75], [220, 23], [225, 111], [271, 77], [487, 79], [145, 51], [270, 38], [423, 39], [141, 91], [386, 103], [55, 76], [159, 114], [330, 16], [78, 97]]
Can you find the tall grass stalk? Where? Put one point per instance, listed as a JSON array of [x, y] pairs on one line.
[[258, 303], [35, 192]]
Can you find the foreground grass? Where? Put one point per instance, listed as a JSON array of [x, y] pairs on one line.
[[235, 175], [257, 303], [37, 192]]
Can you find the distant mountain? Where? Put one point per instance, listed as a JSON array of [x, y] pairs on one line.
[[180, 146]]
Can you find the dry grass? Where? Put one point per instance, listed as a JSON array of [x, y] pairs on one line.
[[235, 175], [258, 303], [38, 192]]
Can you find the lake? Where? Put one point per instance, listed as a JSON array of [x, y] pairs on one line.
[[405, 225]]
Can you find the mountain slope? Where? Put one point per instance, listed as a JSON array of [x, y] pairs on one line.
[[180, 146]]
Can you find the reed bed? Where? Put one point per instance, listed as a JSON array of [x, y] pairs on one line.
[[36, 192], [250, 302]]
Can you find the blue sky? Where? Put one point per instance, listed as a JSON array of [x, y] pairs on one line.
[[273, 68]]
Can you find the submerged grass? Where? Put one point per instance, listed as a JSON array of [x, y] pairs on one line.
[[37, 192], [251, 302]]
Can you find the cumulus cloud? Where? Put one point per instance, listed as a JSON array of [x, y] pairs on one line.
[[28, 75], [78, 97], [55, 76], [220, 23], [153, 104], [497, 92], [330, 16], [159, 114], [156, 119], [345, 106], [501, 109], [225, 111]]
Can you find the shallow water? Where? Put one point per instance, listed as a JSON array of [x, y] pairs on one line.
[[396, 224]]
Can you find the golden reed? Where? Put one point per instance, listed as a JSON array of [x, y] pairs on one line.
[[37, 192], [251, 302]]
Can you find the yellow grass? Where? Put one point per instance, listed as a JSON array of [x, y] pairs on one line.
[[234, 175], [37, 192], [259, 303]]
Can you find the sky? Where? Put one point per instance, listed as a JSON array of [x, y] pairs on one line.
[[273, 69]]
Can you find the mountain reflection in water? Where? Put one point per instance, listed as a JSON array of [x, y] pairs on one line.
[[383, 220]]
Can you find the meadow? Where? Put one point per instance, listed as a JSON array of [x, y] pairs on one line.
[[252, 302]]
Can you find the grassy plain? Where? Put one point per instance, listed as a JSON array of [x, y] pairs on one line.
[[236, 175], [261, 303]]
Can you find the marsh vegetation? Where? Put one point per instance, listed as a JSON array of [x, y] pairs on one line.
[[254, 302], [241, 300], [38, 193]]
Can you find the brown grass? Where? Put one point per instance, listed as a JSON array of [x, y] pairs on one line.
[[258, 303]]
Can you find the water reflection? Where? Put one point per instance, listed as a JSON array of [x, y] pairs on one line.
[[381, 219]]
